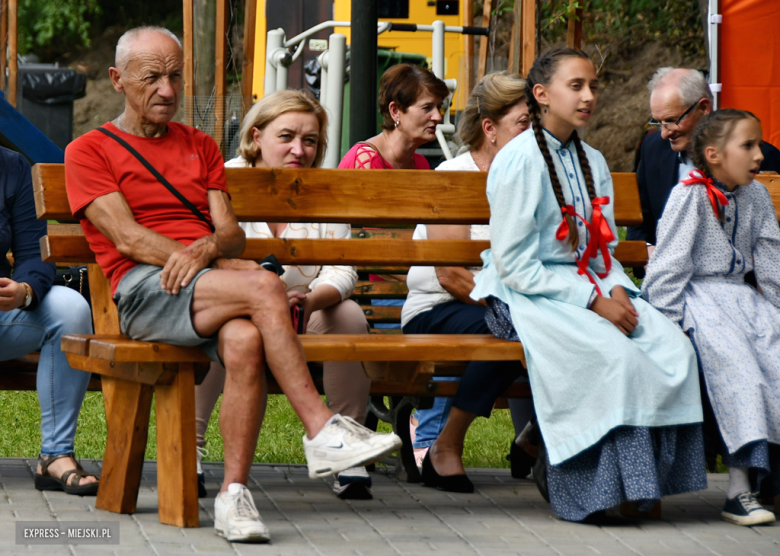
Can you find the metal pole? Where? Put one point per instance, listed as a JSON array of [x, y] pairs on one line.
[[324, 60], [437, 49], [363, 72], [715, 19], [274, 40], [281, 70], [337, 52]]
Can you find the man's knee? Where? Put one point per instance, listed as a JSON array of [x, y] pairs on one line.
[[241, 345], [265, 287]]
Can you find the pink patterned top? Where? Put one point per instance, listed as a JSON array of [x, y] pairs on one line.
[[363, 157]]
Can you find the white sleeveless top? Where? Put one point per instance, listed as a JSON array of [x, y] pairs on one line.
[[425, 291]]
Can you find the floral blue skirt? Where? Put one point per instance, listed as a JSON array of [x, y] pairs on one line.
[[763, 460], [630, 464]]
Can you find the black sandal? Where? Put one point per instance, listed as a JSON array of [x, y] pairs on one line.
[[45, 481]]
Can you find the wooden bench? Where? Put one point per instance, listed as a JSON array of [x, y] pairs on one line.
[[400, 365]]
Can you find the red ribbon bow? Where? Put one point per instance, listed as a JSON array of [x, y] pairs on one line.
[[600, 236], [563, 229], [716, 195]]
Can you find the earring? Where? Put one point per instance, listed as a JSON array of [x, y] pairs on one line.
[[397, 123], [493, 140], [545, 110]]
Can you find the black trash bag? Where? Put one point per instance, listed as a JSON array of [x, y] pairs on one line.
[[48, 84]]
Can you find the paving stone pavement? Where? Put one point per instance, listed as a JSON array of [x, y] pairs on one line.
[[505, 516]]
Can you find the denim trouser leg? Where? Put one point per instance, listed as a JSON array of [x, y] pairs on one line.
[[60, 388], [481, 383], [431, 421]]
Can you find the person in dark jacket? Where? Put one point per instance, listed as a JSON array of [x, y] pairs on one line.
[[33, 317], [679, 98]]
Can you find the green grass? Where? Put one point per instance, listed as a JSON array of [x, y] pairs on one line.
[[487, 442]]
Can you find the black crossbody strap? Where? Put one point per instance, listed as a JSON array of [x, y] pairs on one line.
[[186, 202]]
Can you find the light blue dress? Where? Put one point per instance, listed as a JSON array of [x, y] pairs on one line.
[[696, 277], [587, 377]]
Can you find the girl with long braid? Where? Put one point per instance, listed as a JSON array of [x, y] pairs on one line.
[[719, 225], [615, 383]]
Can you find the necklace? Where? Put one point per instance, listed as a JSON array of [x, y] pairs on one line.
[[395, 156], [119, 123], [484, 168]]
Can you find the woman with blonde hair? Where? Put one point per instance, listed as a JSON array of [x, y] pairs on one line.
[[439, 302], [288, 130]]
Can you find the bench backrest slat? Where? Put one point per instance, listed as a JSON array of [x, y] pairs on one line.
[[383, 252], [319, 195]]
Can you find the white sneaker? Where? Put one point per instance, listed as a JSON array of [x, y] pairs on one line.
[[236, 517], [353, 484], [343, 443]]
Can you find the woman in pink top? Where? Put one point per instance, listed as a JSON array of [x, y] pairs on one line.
[[410, 99]]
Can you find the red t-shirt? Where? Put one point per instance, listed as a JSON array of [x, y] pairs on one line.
[[96, 165]]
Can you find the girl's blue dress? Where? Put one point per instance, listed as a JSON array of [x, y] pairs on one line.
[[696, 277], [619, 415]]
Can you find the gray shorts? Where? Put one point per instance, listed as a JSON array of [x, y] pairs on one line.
[[147, 313]]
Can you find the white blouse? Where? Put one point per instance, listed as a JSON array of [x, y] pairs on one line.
[[425, 291], [304, 278]]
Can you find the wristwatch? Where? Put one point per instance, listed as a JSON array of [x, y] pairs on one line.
[[28, 297]]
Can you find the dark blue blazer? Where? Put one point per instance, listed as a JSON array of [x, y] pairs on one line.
[[657, 175], [20, 230]]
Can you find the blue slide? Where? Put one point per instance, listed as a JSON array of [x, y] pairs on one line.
[[17, 133]]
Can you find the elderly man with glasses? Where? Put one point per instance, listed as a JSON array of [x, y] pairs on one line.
[[679, 98]]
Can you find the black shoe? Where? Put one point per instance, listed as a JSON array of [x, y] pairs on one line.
[[521, 461], [353, 484], [540, 472], [202, 486], [450, 483]]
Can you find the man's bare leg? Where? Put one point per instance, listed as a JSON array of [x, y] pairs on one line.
[[223, 295], [244, 397]]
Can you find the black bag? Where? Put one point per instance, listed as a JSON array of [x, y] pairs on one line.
[[75, 278]]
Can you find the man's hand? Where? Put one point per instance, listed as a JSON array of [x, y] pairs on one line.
[[618, 310], [184, 264], [234, 264], [12, 294]]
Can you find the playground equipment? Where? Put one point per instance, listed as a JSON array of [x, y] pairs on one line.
[[281, 53]]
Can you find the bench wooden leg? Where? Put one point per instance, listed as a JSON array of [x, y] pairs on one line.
[[177, 483], [629, 509], [127, 416]]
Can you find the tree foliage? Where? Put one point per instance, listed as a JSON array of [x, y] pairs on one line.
[[46, 25]]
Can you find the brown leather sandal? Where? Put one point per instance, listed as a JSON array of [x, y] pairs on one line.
[[45, 481]]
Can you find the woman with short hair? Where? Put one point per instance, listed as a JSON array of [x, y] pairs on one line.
[[288, 130], [410, 99]]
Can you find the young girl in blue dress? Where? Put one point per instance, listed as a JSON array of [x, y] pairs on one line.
[[614, 381], [717, 226]]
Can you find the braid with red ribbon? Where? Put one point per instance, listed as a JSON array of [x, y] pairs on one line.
[[717, 199]]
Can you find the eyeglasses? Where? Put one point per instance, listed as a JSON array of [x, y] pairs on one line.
[[652, 122]]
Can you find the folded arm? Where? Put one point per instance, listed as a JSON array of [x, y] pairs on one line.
[[113, 217]]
